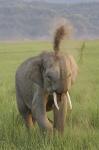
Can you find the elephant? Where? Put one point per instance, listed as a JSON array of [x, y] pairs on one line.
[[43, 83]]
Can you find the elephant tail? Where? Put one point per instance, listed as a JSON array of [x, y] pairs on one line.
[[63, 30]]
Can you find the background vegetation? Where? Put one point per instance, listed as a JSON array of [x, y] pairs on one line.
[[32, 19]]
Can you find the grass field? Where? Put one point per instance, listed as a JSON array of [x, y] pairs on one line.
[[82, 126]]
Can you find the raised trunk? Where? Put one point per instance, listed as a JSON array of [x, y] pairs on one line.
[[60, 115]]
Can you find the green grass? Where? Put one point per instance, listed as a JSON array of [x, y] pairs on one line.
[[82, 126]]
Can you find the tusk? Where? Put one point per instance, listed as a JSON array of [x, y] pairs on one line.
[[69, 100], [55, 100]]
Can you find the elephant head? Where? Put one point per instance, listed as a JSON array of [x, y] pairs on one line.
[[43, 83]]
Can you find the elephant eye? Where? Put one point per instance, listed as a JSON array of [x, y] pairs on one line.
[[49, 78]]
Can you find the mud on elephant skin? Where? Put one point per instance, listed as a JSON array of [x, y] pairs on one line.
[[42, 84]]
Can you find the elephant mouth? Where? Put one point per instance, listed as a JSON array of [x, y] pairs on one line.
[[65, 96], [59, 96]]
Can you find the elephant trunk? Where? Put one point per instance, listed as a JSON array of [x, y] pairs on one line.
[[60, 115]]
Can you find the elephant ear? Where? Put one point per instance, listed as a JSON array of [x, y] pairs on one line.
[[36, 71], [74, 68]]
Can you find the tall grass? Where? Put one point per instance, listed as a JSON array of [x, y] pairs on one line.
[[82, 125]]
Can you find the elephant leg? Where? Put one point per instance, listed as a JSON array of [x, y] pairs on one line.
[[29, 120], [60, 115], [39, 110], [27, 116], [25, 112]]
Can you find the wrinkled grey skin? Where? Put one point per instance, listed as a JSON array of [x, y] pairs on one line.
[[36, 79]]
